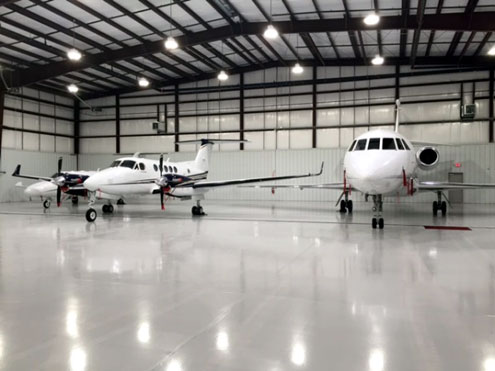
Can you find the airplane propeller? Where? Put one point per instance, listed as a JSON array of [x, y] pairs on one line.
[[59, 180], [166, 182]]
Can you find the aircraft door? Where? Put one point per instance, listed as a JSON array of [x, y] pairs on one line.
[[456, 196]]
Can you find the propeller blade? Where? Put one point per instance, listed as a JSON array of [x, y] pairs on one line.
[[162, 198], [59, 195], [161, 165], [59, 165]]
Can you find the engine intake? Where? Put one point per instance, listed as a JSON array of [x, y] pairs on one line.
[[427, 158]]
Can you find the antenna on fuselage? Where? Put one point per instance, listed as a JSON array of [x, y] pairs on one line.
[[397, 109]]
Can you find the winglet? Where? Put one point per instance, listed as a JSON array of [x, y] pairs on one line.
[[321, 170], [17, 170]]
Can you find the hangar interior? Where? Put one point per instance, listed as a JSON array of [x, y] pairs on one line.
[[293, 270]]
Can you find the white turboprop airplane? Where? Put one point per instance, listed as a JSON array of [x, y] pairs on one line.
[[68, 182], [383, 163], [184, 180]]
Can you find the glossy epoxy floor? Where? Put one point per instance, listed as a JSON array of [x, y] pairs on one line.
[[252, 286]]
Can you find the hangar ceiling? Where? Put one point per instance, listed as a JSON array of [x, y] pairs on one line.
[[122, 41]]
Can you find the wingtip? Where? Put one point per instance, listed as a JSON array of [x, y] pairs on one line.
[[17, 170]]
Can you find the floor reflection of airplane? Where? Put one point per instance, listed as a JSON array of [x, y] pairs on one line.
[[184, 180], [384, 163], [69, 182]]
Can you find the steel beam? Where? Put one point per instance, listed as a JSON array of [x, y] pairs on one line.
[[117, 123], [490, 107]]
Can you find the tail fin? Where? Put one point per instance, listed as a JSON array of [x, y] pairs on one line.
[[202, 160], [397, 110]]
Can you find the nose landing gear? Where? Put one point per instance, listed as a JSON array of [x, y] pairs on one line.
[[377, 220], [439, 205], [91, 213]]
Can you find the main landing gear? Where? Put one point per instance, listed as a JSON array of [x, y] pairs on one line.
[[198, 209], [377, 220], [75, 200], [439, 205], [107, 209], [346, 204]]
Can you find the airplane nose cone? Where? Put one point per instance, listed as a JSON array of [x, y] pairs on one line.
[[91, 184]]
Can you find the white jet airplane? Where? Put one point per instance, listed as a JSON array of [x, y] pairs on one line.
[[184, 180], [69, 182], [382, 163]]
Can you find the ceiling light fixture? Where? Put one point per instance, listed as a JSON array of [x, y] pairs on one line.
[[371, 19], [270, 32], [171, 43], [492, 51], [143, 82], [378, 60], [74, 54], [222, 76], [73, 88], [297, 69]]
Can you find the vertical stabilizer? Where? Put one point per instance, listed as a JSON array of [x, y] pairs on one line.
[[397, 115], [202, 161]]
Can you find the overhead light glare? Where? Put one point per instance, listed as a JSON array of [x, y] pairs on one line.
[[171, 43], [270, 32], [378, 60], [73, 88], [222, 76], [74, 54], [492, 51], [297, 69], [143, 82], [371, 19]]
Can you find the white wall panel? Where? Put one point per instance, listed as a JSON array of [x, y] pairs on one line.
[[254, 121], [31, 122], [129, 127], [229, 122], [97, 145], [255, 141], [30, 142], [91, 128], [12, 139], [300, 119], [328, 138], [156, 143], [301, 139]]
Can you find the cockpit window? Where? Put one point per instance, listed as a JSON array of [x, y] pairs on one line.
[[115, 163], [388, 143], [128, 163], [141, 166], [405, 145], [374, 143], [399, 144], [352, 146], [360, 145]]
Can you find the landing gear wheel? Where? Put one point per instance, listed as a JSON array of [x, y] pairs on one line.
[[444, 208], [120, 202], [373, 223], [91, 215], [342, 206], [46, 204], [75, 200], [435, 208], [107, 209], [381, 223], [349, 206], [195, 210]]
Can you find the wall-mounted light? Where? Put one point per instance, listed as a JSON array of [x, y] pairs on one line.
[[73, 88], [143, 82], [371, 19], [171, 43], [222, 76], [378, 60], [74, 54]]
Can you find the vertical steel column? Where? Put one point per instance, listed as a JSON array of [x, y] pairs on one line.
[[176, 119], [313, 117], [117, 123], [77, 124], [241, 108], [2, 99], [490, 107], [397, 82]]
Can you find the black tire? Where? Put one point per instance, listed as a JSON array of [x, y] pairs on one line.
[[75, 200], [435, 208], [120, 201], [200, 211], [444, 208], [195, 210], [104, 208], [373, 223], [46, 204], [349, 206], [342, 206], [91, 215], [381, 223], [110, 209]]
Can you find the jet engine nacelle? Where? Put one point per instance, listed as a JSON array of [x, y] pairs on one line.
[[427, 158]]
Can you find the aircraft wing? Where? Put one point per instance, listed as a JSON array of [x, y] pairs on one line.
[[445, 186], [222, 183], [17, 173], [336, 186]]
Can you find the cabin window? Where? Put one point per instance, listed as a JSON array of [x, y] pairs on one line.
[[388, 143], [352, 146], [141, 166], [361, 145], [128, 163], [155, 167], [175, 170], [399, 144], [165, 168], [115, 163], [405, 145], [374, 143]]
